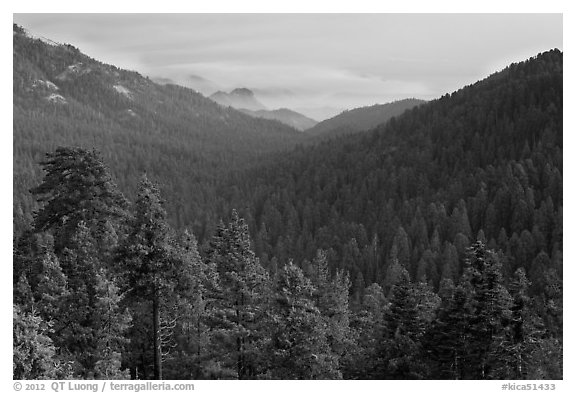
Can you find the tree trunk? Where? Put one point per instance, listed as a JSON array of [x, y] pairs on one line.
[[157, 343]]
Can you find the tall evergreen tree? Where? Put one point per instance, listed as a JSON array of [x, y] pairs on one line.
[[191, 332], [33, 350], [524, 333], [490, 307], [367, 324], [332, 299], [89, 320], [113, 321], [446, 342], [400, 347], [299, 345], [151, 269], [238, 304], [77, 188]]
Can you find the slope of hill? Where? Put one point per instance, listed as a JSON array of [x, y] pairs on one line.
[[63, 97], [362, 119], [241, 98], [286, 116], [484, 162]]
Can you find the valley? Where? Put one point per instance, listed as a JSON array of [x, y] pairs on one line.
[[163, 234]]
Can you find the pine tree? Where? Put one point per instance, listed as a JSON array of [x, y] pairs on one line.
[[319, 272], [337, 316], [38, 275], [548, 354], [490, 303], [52, 287], [22, 294], [446, 341], [39, 306], [299, 346], [151, 270], [524, 333], [66, 256], [459, 220], [191, 333], [77, 188], [402, 316], [394, 271], [399, 350], [401, 249], [332, 298], [88, 319], [113, 322], [367, 324], [237, 306], [34, 352]]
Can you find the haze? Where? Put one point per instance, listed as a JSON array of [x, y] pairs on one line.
[[318, 64]]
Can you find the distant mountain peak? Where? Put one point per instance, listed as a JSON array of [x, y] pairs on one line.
[[242, 91]]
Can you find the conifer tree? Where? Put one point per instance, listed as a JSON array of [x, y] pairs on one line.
[[113, 321], [490, 313], [394, 271], [401, 249], [524, 333], [77, 188], [89, 320], [33, 350], [332, 297], [400, 346], [191, 333], [151, 268], [446, 342], [66, 257], [367, 324], [38, 275], [299, 346], [237, 306]]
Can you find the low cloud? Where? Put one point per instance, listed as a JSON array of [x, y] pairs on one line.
[[324, 60]]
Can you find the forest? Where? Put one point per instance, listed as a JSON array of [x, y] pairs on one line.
[[173, 132], [429, 247]]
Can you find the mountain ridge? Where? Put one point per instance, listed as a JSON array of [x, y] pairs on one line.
[[64, 97], [483, 162], [286, 116], [245, 101], [362, 118]]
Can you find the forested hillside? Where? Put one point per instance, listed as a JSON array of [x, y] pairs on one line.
[[361, 119], [482, 163], [286, 116], [427, 248], [63, 97]]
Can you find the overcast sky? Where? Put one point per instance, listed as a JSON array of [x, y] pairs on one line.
[[309, 61]]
